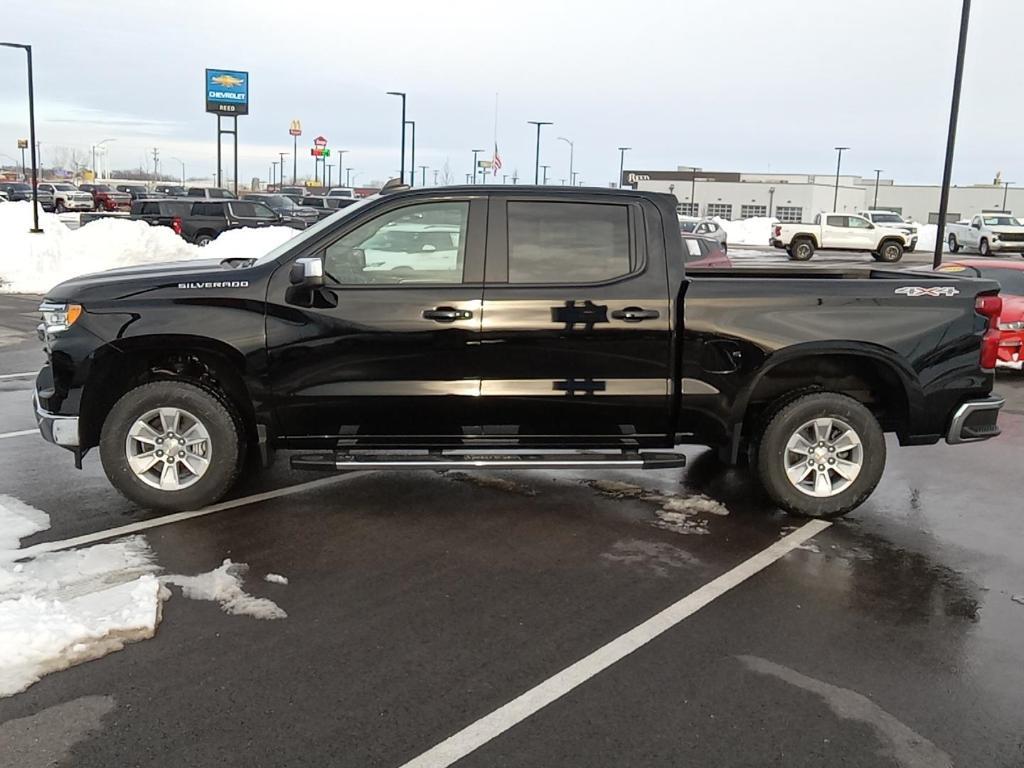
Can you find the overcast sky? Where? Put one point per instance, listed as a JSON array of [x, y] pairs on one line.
[[745, 85]]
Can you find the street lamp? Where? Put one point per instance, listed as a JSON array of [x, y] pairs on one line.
[[412, 165], [341, 163], [94, 146], [280, 179], [399, 93], [273, 173], [348, 180], [31, 131], [475, 153], [771, 200], [839, 160], [1006, 189], [536, 162], [183, 169], [423, 175], [622, 160], [878, 173], [571, 149]]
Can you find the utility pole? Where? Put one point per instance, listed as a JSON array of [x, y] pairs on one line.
[[281, 156], [878, 173], [1006, 189], [622, 160], [328, 166], [436, 171], [273, 173], [475, 168], [32, 134], [412, 165], [423, 175], [341, 164], [156, 163], [545, 177], [839, 161], [536, 162], [182, 169], [402, 169]]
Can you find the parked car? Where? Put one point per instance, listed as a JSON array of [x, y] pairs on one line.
[[566, 318], [3, 197], [705, 228], [286, 208], [342, 192], [171, 190], [699, 251], [214, 192], [1010, 276], [325, 206], [67, 197], [201, 221], [104, 198], [894, 220], [16, 190], [839, 232], [987, 233], [134, 191]]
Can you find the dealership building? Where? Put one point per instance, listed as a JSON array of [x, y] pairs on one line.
[[800, 196]]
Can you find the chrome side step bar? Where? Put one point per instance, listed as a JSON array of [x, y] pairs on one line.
[[334, 462]]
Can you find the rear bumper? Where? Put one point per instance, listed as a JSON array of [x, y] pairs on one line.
[[56, 429], [975, 420]]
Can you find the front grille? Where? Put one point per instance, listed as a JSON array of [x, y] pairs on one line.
[[1011, 237]]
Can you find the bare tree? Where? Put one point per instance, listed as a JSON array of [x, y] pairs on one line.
[[70, 159], [446, 173]]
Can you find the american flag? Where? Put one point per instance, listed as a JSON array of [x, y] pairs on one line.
[[496, 161]]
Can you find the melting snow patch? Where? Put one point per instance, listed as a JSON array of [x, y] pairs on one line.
[[677, 511], [275, 578], [654, 556], [224, 585], [489, 481], [63, 608]]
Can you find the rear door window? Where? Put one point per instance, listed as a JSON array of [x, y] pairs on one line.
[[560, 243], [836, 221], [247, 209], [208, 209]]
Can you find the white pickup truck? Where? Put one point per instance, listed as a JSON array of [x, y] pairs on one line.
[[894, 220], [840, 232], [987, 233]]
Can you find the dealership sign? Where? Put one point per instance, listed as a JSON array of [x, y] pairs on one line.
[[227, 92]]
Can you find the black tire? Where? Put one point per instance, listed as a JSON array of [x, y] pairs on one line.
[[59, 207], [801, 249], [203, 239], [983, 247], [225, 439], [889, 252], [954, 245], [772, 454]]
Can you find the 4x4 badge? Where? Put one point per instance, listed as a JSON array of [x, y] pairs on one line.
[[939, 290]]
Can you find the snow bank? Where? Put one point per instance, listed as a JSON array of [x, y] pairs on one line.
[[755, 231], [224, 585], [62, 608], [276, 578], [34, 263]]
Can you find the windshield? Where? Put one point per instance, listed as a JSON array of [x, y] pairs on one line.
[[314, 231], [1001, 221], [101, 188], [65, 187], [277, 201], [687, 226], [18, 187], [886, 218]]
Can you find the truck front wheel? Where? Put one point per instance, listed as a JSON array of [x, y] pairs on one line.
[[983, 247], [801, 249], [821, 455], [890, 251], [171, 445]]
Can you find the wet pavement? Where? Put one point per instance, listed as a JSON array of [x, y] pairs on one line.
[[419, 603]]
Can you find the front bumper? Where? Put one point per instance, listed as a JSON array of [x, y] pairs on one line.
[[975, 420], [56, 429], [79, 205], [1008, 246]]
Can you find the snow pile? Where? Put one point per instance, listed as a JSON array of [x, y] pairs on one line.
[[34, 263], [224, 585], [63, 608], [276, 578], [755, 231], [677, 512]]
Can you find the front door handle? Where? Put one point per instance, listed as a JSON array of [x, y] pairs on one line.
[[446, 314], [635, 314]]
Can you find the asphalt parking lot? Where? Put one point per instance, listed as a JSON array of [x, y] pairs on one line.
[[420, 605]]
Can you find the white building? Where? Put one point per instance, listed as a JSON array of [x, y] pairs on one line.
[[800, 196]]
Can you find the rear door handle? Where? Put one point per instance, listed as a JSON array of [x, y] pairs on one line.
[[446, 314], [635, 314]]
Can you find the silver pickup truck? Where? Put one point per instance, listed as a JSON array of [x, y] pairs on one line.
[[987, 233]]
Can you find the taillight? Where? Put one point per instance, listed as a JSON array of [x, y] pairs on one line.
[[991, 307], [778, 230], [176, 225]]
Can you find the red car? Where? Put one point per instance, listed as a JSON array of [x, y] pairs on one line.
[[106, 199], [703, 252], [1010, 275]]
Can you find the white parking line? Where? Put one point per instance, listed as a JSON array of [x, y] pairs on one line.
[[474, 736], [20, 433], [18, 375], [177, 517]]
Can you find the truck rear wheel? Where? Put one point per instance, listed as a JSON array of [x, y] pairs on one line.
[[801, 249], [821, 455], [954, 246], [172, 446]]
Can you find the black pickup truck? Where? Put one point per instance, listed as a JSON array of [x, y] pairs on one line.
[[480, 326], [200, 221]]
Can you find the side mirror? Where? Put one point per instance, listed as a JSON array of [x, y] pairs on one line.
[[308, 272]]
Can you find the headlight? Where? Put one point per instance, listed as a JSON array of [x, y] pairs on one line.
[[995, 237], [1016, 325], [59, 317]]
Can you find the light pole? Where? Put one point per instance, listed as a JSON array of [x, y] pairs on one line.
[[544, 179], [475, 153], [622, 161], [954, 113], [273, 173], [412, 165], [536, 162], [1006, 189], [341, 163], [399, 93], [571, 150], [878, 173], [282, 156], [839, 160], [31, 131], [182, 169], [348, 179], [94, 146], [436, 172], [771, 200], [423, 175]]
